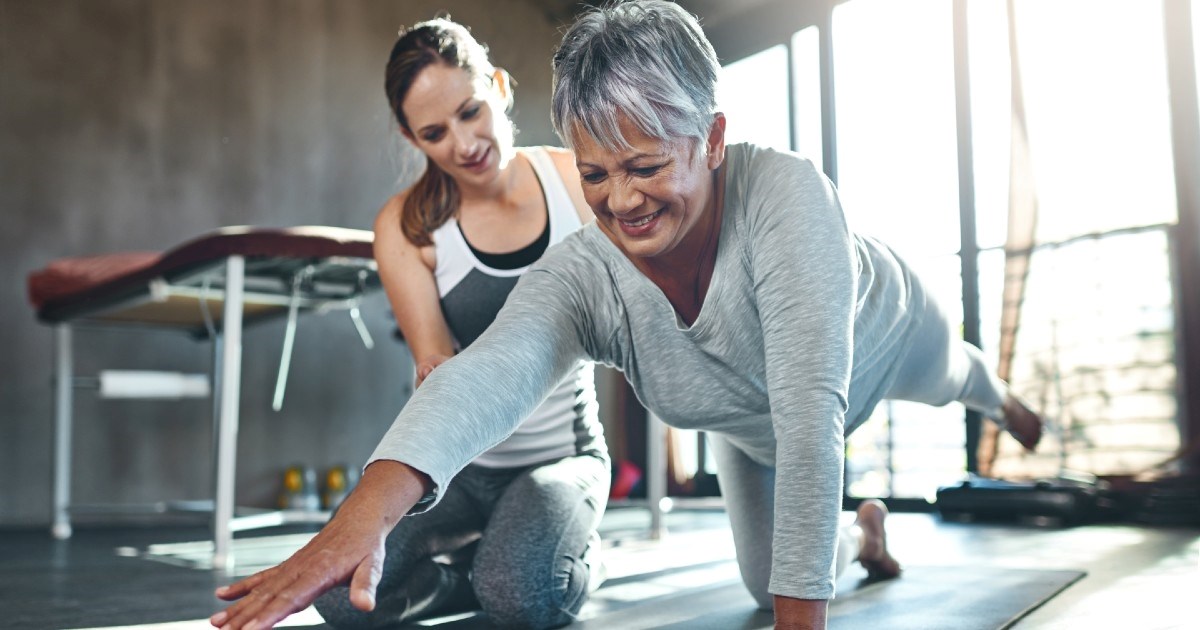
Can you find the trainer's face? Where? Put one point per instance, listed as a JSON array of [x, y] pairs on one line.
[[650, 197], [452, 117]]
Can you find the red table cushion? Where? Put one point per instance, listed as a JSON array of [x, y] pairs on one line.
[[69, 275]]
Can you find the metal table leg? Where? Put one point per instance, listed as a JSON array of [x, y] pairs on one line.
[[227, 398], [63, 383], [656, 472]]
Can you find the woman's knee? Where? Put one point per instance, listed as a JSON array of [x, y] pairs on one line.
[[525, 598], [335, 608], [758, 584]]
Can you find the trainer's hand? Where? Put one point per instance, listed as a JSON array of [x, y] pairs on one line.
[[350, 547], [426, 366]]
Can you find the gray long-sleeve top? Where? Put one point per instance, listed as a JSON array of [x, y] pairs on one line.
[[795, 344]]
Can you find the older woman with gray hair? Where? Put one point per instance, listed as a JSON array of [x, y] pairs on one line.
[[724, 282]]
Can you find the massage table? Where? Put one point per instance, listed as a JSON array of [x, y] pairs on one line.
[[209, 288]]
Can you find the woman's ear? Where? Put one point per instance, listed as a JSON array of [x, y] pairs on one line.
[[716, 141], [502, 83]]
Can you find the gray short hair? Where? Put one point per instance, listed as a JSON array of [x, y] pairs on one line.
[[646, 60]]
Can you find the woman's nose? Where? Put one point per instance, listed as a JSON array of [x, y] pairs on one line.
[[623, 196], [464, 140]]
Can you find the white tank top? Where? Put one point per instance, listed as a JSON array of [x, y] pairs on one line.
[[471, 295]]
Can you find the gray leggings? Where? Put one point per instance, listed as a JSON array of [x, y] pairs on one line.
[[941, 368], [519, 543], [938, 369]]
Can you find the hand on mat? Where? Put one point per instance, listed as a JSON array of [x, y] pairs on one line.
[[797, 614], [426, 366], [349, 548], [330, 558]]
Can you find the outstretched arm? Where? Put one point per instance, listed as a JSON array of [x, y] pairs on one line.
[[349, 547]]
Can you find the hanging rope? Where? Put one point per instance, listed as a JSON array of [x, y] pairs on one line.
[[1022, 227]]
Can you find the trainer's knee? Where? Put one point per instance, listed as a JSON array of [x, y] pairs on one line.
[[335, 608], [524, 600]]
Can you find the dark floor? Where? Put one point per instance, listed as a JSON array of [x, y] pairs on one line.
[[1136, 577]]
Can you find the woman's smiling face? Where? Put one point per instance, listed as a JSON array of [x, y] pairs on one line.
[[649, 197], [452, 119]]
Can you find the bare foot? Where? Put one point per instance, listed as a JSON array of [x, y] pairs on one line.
[[872, 552], [1021, 422]]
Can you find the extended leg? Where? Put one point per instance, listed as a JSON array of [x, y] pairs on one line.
[[538, 560], [941, 368]]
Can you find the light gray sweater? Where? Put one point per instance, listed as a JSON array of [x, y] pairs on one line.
[[796, 342]]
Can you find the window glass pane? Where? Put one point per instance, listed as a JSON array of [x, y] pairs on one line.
[[1097, 114], [898, 180], [991, 117], [1094, 344], [753, 93], [806, 98], [896, 137], [1095, 351]]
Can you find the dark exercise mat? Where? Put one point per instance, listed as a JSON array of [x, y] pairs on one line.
[[924, 598], [958, 597]]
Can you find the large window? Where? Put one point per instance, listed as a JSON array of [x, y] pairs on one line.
[[806, 95], [753, 93], [1095, 344]]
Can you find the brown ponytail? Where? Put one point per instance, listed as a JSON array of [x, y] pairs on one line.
[[430, 202], [435, 197]]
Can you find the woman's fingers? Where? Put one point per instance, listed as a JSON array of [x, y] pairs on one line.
[[268, 597], [426, 367], [271, 601], [241, 587], [423, 372], [366, 580], [244, 610], [271, 595], [237, 591]]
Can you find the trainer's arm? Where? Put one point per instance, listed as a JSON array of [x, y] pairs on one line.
[[478, 398]]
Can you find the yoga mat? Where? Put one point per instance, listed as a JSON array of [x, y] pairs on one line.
[[705, 593], [924, 598], [958, 597]]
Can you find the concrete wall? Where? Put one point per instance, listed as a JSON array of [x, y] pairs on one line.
[[138, 124]]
